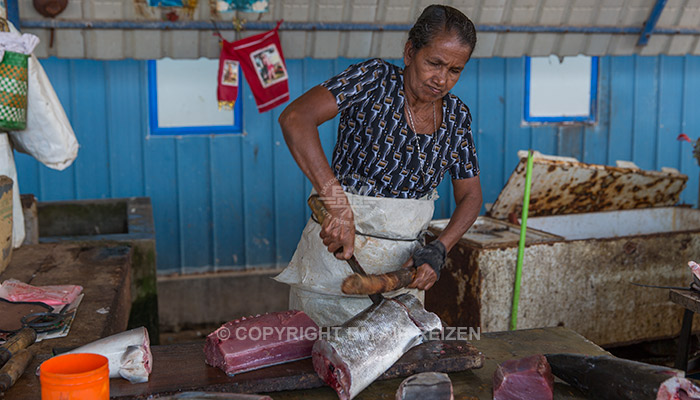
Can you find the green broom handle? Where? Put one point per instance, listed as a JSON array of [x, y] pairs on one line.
[[521, 244]]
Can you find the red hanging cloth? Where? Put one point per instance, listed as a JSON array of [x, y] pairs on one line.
[[261, 59]]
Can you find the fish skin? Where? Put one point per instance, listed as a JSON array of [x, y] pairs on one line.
[[607, 377], [128, 352], [359, 351], [426, 386]]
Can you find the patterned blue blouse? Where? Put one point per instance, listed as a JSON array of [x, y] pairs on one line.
[[377, 153]]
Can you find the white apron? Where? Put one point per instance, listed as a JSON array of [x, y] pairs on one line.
[[315, 275]]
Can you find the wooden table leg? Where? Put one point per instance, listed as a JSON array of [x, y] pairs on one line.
[[684, 342]]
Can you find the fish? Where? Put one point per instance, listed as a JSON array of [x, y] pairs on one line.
[[612, 378], [213, 396], [426, 386], [528, 378], [247, 344], [352, 356], [128, 352]]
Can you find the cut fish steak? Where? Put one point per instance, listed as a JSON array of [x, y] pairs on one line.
[[256, 342], [426, 386], [612, 378], [352, 356], [528, 378]]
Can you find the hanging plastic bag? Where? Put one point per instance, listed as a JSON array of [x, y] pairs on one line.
[[48, 137]]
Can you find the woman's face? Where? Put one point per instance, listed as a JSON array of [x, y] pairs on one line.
[[434, 69]]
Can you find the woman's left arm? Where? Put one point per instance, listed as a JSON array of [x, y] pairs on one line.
[[468, 199]]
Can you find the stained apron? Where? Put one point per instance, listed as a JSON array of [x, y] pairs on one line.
[[315, 275]]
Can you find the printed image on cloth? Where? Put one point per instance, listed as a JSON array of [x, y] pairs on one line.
[[259, 6], [269, 66], [229, 77], [262, 62], [377, 154]]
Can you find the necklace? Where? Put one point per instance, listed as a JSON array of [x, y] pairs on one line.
[[415, 132]]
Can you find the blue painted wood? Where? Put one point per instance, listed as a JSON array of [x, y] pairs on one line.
[[670, 112], [55, 185], [290, 197], [223, 201], [228, 222], [646, 112], [622, 96], [490, 124], [595, 140], [90, 129], [194, 192], [123, 122], [160, 163], [691, 127], [518, 135], [258, 184]]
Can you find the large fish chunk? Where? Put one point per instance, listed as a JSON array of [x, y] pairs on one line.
[[612, 378], [359, 351], [128, 352], [256, 342]]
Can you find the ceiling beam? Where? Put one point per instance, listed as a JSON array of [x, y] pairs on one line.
[[650, 24]]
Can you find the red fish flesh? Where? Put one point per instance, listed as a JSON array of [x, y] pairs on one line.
[[528, 378], [256, 342]]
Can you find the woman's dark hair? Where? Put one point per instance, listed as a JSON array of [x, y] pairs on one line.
[[436, 19]]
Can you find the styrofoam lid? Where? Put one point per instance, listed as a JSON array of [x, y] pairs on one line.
[[563, 185]]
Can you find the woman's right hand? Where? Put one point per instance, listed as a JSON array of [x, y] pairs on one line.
[[338, 229]]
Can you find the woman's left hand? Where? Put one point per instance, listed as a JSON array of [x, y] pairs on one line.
[[425, 276]]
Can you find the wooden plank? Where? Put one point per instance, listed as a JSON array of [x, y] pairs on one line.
[[104, 272], [689, 299], [182, 368], [477, 384]]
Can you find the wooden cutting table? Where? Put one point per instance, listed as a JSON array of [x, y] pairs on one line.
[[104, 272], [187, 372]]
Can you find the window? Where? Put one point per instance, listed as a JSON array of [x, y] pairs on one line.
[[182, 99], [561, 91]]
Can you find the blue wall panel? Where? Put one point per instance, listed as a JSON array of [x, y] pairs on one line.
[[239, 201]]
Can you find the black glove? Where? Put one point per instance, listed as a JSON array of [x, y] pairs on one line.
[[433, 253]]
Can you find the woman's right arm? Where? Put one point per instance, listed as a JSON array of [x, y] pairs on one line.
[[299, 123]]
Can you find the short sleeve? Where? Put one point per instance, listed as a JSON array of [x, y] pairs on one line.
[[357, 82], [467, 165]]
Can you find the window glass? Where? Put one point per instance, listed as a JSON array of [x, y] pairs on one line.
[[561, 90], [183, 99]]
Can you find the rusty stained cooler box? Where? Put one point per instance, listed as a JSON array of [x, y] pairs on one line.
[[592, 230]]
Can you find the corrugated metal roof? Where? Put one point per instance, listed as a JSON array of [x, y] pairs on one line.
[[494, 16]]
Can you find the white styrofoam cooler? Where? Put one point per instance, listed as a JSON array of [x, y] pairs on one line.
[[592, 231]]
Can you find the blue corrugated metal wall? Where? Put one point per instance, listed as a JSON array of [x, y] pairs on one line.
[[239, 201]]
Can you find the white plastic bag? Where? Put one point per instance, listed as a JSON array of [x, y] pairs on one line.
[[7, 168], [49, 137]]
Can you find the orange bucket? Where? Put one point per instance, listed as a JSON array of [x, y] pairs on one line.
[[82, 376]]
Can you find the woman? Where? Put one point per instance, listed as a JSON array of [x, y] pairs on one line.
[[399, 132]]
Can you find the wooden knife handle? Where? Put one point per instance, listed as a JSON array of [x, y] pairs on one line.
[[379, 283], [317, 207]]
